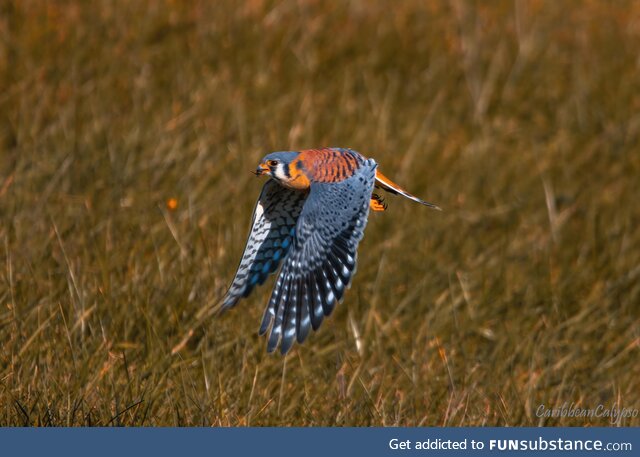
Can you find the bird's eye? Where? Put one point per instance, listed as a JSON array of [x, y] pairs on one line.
[[272, 163]]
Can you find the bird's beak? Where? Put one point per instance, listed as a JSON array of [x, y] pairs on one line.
[[262, 169]]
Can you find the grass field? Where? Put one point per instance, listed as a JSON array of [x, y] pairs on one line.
[[521, 119]]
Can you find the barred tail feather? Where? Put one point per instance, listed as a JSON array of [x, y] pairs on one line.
[[388, 185]]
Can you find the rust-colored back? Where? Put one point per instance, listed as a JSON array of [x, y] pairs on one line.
[[328, 164]]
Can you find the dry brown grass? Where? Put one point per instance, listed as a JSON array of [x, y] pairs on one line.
[[519, 118]]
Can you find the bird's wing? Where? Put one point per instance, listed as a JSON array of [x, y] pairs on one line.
[[322, 260], [272, 230]]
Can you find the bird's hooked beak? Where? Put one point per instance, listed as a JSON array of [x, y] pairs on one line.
[[262, 169]]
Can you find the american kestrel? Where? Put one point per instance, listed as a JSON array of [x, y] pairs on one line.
[[310, 216]]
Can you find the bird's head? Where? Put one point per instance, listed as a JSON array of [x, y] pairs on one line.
[[278, 165]]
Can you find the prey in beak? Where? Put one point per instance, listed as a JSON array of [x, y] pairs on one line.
[[262, 169]]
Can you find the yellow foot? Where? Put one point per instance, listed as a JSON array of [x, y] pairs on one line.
[[377, 203]]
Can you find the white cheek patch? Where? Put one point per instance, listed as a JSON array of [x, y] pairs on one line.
[[279, 173]]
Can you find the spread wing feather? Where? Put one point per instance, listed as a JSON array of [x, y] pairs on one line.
[[272, 231], [322, 260]]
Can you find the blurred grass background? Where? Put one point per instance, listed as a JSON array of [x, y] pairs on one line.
[[520, 118]]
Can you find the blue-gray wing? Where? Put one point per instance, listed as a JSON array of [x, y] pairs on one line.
[[272, 230], [321, 262]]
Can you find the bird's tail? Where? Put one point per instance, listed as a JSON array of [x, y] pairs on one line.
[[388, 185]]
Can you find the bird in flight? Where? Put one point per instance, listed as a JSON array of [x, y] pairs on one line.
[[310, 217]]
